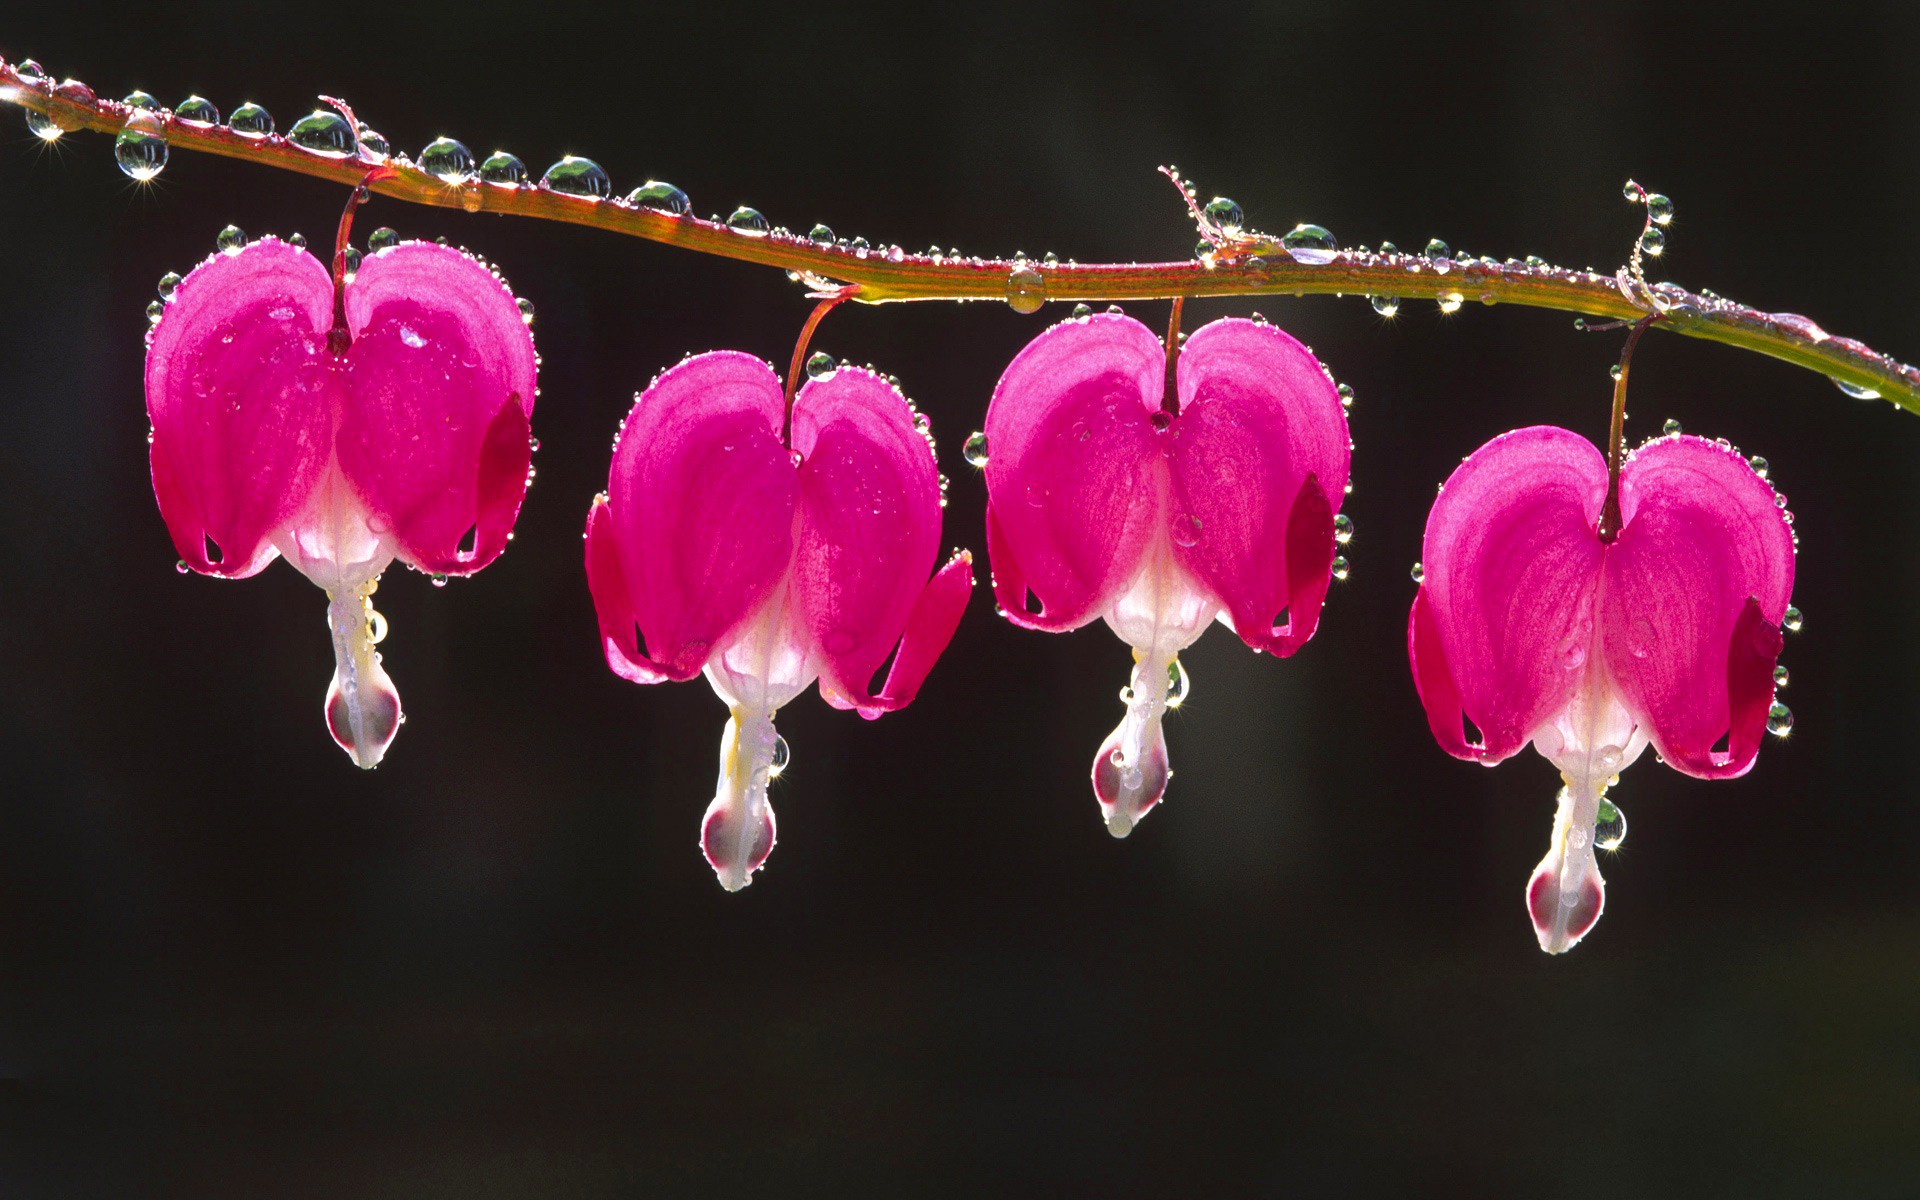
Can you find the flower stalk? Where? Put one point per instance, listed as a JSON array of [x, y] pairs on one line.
[[1250, 266]]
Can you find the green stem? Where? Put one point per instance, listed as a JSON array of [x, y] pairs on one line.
[[1250, 266]]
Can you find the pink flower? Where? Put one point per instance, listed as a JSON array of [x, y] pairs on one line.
[[1537, 629], [768, 562], [1104, 500], [342, 432]]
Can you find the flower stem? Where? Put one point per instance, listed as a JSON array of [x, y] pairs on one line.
[[800, 345], [1616, 433], [1170, 397], [1250, 266]]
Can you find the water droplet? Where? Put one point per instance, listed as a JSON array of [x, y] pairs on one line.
[[1082, 311], [1178, 685], [139, 99], [1419, 573], [1671, 428], [169, 283], [1654, 241], [503, 170], [1660, 208], [822, 365], [1341, 568], [353, 257], [1026, 289], [42, 126], [1186, 530], [747, 221], [383, 238], [1633, 191], [1759, 466], [975, 450], [438, 580], [197, 110], [821, 235], [326, 133], [1534, 260], [298, 241], [526, 310], [1779, 677], [1386, 306], [1450, 302], [374, 143], [155, 310], [447, 160], [1114, 310], [230, 240], [782, 755], [1389, 248], [1438, 250], [1613, 372], [1791, 620], [1225, 216], [30, 70], [1310, 244], [1346, 395], [141, 149], [251, 121], [576, 176], [180, 565], [656, 196], [1779, 720], [1855, 390], [1342, 529], [1609, 826]]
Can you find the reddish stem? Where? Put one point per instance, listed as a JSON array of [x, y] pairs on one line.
[[338, 338], [820, 311], [1170, 396], [1616, 436]]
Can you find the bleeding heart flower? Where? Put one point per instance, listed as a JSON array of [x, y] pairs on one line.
[[1107, 497], [1537, 629], [343, 431], [769, 562]]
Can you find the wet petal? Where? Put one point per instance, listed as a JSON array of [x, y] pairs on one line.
[[237, 383], [868, 526], [612, 604], [1511, 561], [1075, 477], [1692, 658], [1258, 449], [440, 356], [700, 506]]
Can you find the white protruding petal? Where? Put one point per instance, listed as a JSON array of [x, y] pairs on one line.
[[362, 706], [1130, 773], [737, 833]]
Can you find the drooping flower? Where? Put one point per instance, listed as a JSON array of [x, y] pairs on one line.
[[341, 430], [1536, 629], [768, 562], [1109, 498]]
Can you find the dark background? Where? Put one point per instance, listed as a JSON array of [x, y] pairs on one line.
[[233, 965]]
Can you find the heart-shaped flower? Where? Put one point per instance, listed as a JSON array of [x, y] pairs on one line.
[[1107, 497], [769, 561], [1535, 628], [343, 429]]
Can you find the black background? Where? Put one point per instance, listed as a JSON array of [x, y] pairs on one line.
[[233, 965]]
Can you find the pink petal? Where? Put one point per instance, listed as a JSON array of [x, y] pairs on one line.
[[700, 509], [1511, 560], [1258, 448], [439, 355], [1691, 657], [607, 582], [868, 529], [930, 626], [1075, 477], [237, 390]]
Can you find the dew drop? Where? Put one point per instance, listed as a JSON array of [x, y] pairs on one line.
[[1386, 306], [1791, 620], [1186, 530], [438, 580], [822, 365], [326, 133], [383, 238], [1654, 241], [1779, 720], [503, 170], [251, 121], [1759, 465], [1419, 573], [1660, 208], [1178, 685], [1609, 826], [656, 196], [782, 755], [1855, 390], [1438, 251], [820, 235], [1671, 428], [1450, 302], [526, 310], [30, 70], [197, 110], [169, 283], [353, 258], [1342, 529], [1082, 311], [180, 565], [141, 149], [230, 240], [975, 449], [1633, 191], [42, 126], [139, 99], [1346, 395], [298, 241], [1779, 677], [748, 222], [1341, 568], [1534, 260], [1026, 289], [1389, 248], [1114, 310], [1225, 216], [576, 176], [155, 310], [374, 143], [447, 160], [1613, 372], [1310, 244]]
